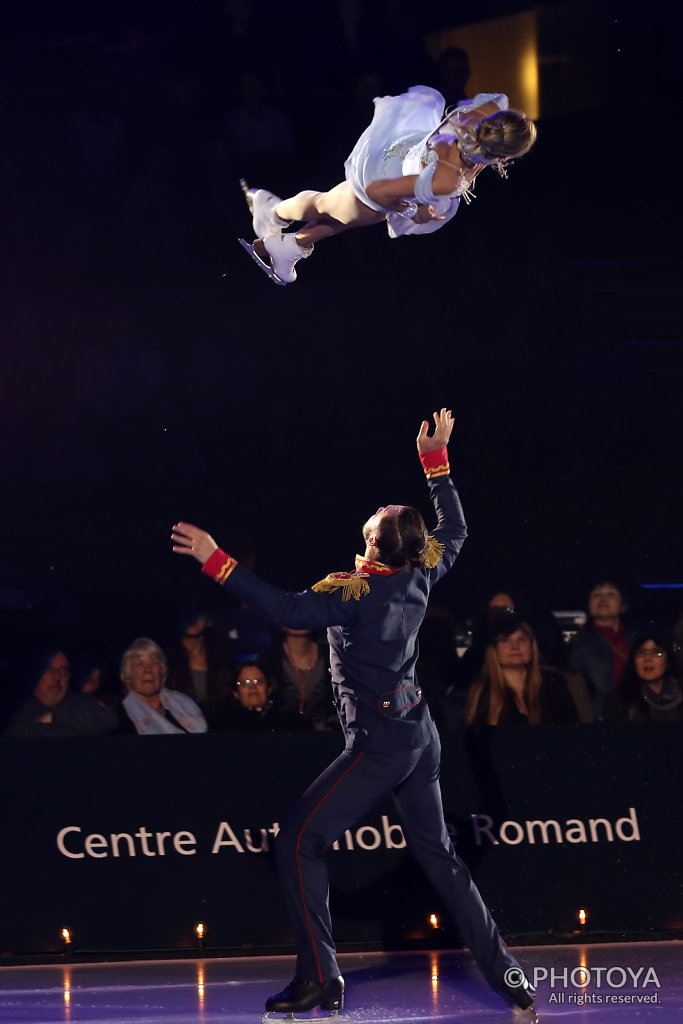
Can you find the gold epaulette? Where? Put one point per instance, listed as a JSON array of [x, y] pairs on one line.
[[434, 552], [354, 584]]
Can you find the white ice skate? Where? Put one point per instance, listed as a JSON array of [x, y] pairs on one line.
[[283, 253], [262, 205]]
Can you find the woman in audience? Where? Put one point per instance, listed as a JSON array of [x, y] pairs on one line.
[[254, 709], [149, 707], [511, 688], [299, 667], [199, 665], [649, 689]]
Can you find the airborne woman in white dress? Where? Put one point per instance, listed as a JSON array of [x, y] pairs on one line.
[[410, 168]]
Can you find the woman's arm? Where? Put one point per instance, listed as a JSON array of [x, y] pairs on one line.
[[486, 109], [392, 193]]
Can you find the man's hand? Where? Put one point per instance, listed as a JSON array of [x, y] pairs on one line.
[[190, 540], [443, 424]]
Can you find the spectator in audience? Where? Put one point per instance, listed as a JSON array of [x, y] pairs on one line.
[[453, 74], [299, 666], [150, 222], [149, 707], [496, 605], [581, 695], [53, 709], [258, 133], [242, 632], [649, 689], [511, 688], [600, 648], [254, 709], [437, 665], [91, 674], [199, 666]]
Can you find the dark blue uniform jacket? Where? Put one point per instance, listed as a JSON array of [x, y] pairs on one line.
[[373, 640]]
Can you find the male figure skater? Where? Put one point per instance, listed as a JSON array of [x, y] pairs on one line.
[[373, 616]]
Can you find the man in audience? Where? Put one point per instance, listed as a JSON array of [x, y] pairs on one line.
[[53, 709]]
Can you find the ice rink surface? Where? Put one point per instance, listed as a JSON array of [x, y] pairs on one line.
[[613, 983]]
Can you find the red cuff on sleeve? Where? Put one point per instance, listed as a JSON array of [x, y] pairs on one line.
[[219, 566], [435, 463]]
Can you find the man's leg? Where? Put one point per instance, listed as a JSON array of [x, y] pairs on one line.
[[418, 800], [343, 793]]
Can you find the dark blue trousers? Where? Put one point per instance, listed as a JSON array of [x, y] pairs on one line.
[[346, 791]]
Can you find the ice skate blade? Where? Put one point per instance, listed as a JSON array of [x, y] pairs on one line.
[[334, 1015], [248, 194], [265, 267], [528, 1016]]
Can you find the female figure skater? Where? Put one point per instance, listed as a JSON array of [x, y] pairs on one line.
[[373, 616], [410, 167]]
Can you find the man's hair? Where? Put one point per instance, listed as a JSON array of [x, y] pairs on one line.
[[402, 538]]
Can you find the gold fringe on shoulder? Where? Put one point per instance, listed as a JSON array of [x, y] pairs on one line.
[[354, 585], [434, 553]]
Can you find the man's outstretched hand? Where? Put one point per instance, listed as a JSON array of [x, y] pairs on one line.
[[443, 424], [190, 540]]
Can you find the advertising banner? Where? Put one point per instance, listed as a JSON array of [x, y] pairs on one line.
[[129, 842]]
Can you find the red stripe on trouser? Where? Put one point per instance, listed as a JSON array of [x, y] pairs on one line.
[[298, 863]]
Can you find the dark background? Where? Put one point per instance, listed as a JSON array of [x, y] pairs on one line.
[[150, 373]]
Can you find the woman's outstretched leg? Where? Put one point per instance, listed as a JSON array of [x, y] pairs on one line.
[[326, 214]]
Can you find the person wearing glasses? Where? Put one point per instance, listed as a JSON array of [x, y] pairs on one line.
[[373, 616], [254, 707], [650, 688], [53, 709]]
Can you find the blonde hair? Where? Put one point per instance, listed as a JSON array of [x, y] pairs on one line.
[[491, 683], [507, 134], [504, 135]]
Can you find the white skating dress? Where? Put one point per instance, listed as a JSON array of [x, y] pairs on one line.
[[395, 144]]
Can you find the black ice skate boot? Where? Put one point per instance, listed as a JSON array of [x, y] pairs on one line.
[[519, 992], [301, 996]]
